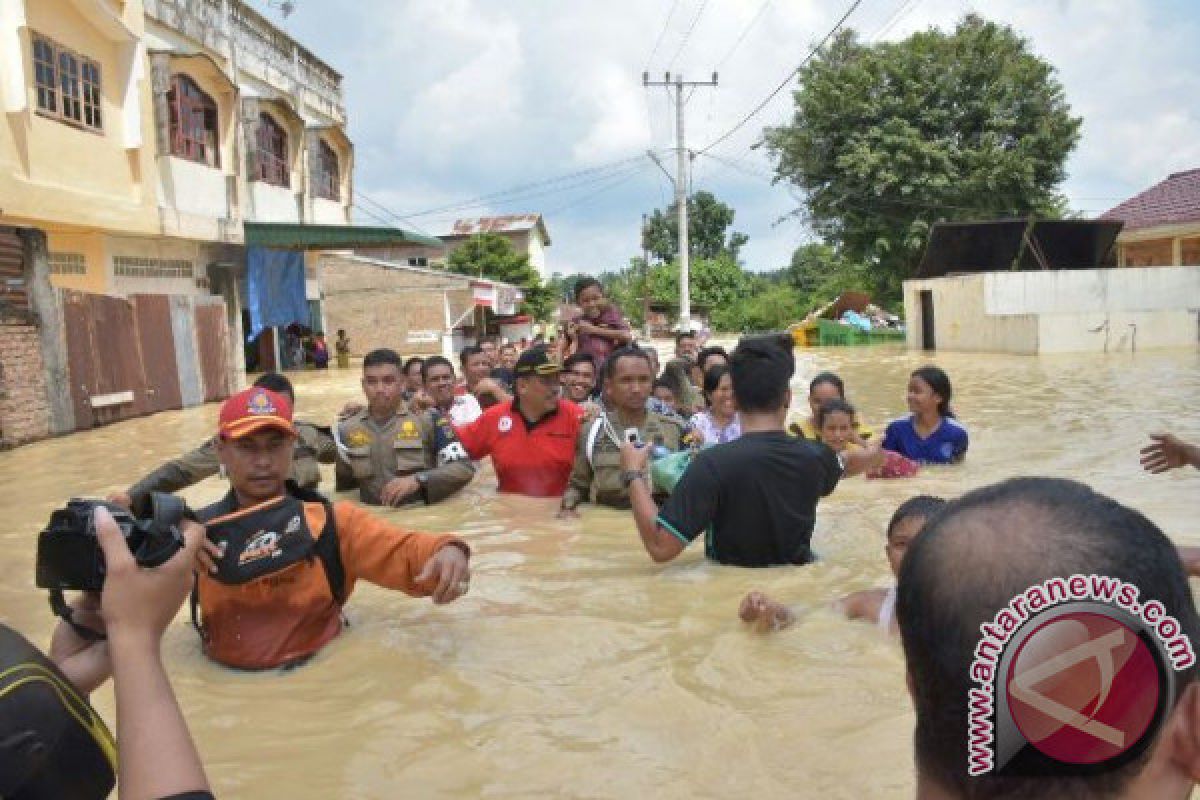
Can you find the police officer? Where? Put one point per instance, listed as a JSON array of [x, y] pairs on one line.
[[314, 445], [597, 474], [392, 453]]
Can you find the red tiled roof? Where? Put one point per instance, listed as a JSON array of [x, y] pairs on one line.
[[1171, 202]]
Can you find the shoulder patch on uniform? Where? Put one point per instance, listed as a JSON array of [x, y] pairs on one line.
[[358, 438], [408, 430]]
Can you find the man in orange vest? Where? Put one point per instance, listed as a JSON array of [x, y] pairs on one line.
[[280, 562]]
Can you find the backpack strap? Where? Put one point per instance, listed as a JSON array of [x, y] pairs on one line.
[[593, 436]]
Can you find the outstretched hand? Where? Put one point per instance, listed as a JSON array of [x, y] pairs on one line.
[[451, 573], [1167, 452]]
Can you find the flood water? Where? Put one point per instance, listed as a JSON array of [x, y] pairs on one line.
[[576, 667]]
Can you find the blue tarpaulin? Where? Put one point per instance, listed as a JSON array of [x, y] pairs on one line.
[[275, 283]]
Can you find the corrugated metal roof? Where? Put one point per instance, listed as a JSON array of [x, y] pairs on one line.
[[292, 236], [1173, 201], [511, 223]]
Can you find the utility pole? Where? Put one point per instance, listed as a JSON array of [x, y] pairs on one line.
[[681, 188]]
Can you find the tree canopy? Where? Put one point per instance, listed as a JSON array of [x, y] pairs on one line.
[[490, 255], [708, 221], [888, 138]]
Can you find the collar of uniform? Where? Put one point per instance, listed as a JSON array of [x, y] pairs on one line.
[[516, 406]]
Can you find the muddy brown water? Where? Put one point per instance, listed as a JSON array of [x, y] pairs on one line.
[[576, 667]]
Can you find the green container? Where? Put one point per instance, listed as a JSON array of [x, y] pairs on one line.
[[835, 334]]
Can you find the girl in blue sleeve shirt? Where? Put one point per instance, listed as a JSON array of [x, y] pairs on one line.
[[930, 434]]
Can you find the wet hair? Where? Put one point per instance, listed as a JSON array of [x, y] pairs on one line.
[[274, 382], [414, 360], [508, 346], [832, 379], [341, 331], [467, 352], [707, 353], [939, 381], [712, 378], [435, 361], [835, 406], [580, 358], [630, 351], [679, 337], [586, 283], [973, 557], [663, 383], [761, 371], [381, 356], [922, 506]]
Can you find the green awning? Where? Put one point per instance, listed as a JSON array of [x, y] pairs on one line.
[[291, 236]]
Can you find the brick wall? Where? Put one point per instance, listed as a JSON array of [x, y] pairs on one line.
[[24, 411]]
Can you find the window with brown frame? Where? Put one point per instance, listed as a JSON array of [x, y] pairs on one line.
[[192, 122], [68, 84], [272, 152], [328, 183]]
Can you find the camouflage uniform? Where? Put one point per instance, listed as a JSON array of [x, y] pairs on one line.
[[597, 472], [410, 443], [313, 445]]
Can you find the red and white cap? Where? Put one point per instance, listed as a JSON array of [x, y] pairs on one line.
[[252, 410]]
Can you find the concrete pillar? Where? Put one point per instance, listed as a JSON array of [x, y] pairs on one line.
[[43, 301], [1177, 252]]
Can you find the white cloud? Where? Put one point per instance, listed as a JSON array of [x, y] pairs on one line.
[[453, 99]]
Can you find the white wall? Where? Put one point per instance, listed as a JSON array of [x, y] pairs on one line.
[[192, 188], [1066, 311], [273, 203], [537, 254], [1074, 291], [327, 212]]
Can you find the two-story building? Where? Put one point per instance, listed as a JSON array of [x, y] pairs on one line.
[[142, 136]]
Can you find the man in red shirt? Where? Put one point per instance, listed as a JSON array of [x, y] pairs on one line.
[[531, 438]]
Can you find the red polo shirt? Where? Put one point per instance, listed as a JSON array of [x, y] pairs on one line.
[[530, 458]]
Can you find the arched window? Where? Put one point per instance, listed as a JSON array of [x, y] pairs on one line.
[[192, 122], [327, 180], [272, 152]]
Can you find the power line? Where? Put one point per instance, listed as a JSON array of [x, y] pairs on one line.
[[661, 34], [688, 34], [903, 11], [361, 195], [853, 6], [582, 177], [742, 37], [633, 173]]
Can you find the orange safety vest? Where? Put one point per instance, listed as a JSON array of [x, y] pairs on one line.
[[278, 592]]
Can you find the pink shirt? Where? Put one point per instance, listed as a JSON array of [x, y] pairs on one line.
[[599, 346]]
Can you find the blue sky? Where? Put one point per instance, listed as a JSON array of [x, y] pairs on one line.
[[451, 101]]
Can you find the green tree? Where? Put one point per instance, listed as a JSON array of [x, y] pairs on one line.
[[708, 221], [888, 138], [771, 307], [490, 255], [717, 283]]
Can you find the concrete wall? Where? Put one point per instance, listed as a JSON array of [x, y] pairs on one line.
[[1065, 311], [54, 172], [327, 212], [273, 203], [961, 320], [193, 188]]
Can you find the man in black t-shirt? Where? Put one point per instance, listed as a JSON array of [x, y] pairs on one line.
[[755, 498]]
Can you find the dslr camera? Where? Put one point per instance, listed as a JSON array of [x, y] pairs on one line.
[[69, 555]]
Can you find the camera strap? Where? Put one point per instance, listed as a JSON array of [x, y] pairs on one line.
[[58, 604]]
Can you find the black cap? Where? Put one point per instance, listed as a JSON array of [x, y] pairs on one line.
[[536, 361]]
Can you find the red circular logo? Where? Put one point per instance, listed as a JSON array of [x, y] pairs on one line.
[[1083, 688]]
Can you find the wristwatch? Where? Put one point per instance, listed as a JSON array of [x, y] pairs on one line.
[[423, 482], [629, 476]]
